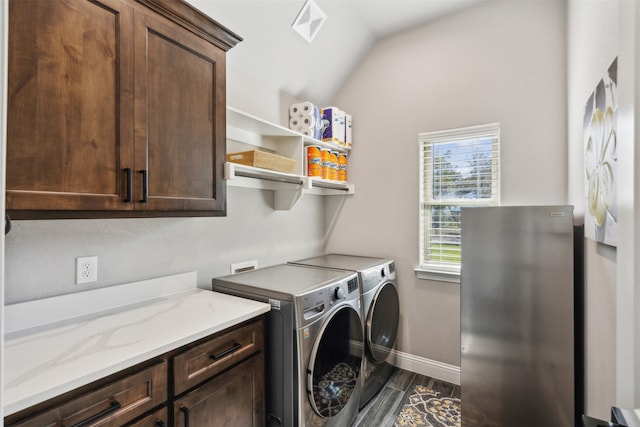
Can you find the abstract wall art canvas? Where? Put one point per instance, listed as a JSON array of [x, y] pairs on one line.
[[600, 160]]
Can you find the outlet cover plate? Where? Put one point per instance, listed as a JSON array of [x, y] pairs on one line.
[[86, 269]]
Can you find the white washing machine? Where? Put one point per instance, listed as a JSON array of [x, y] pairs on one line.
[[313, 342], [380, 314]]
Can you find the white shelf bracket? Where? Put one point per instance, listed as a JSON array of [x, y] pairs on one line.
[[284, 200], [307, 183], [229, 170]]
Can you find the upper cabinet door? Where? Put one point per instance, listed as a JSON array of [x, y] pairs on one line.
[[70, 106], [180, 111]]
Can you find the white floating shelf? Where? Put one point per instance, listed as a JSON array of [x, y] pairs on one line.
[[289, 188], [245, 131]]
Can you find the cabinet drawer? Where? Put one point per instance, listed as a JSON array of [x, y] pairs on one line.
[[111, 405], [211, 357]]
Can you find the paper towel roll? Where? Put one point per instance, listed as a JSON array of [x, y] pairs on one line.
[[307, 107], [294, 110], [301, 108], [299, 126], [308, 120]]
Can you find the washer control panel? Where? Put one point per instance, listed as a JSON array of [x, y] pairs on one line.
[[387, 271], [316, 302]]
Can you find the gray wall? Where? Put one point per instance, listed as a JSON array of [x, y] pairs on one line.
[[597, 33], [487, 64], [40, 255], [593, 44]]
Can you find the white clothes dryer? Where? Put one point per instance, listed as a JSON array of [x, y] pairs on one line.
[[380, 313]]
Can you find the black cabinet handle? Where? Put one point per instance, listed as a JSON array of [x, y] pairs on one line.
[[160, 423], [235, 347], [129, 185], [115, 405], [145, 186], [185, 411]]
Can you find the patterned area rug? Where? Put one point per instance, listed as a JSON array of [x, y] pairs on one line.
[[425, 407]]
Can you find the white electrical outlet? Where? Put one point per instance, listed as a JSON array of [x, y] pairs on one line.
[[86, 269]]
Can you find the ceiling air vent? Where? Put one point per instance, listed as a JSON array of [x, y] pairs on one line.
[[309, 20]]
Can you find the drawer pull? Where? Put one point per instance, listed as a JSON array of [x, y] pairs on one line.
[[115, 405], [235, 347], [185, 411], [145, 186], [160, 423], [129, 198]]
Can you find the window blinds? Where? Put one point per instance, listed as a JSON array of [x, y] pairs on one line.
[[459, 168]]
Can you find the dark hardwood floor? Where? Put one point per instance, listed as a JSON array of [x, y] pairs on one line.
[[384, 408]]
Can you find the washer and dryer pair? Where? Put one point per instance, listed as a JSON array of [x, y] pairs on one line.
[[380, 312], [329, 335]]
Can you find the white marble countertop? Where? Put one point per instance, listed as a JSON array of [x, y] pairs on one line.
[[59, 353]]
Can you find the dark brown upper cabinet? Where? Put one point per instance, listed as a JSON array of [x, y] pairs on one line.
[[116, 109]]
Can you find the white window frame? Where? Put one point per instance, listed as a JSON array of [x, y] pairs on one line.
[[440, 271]]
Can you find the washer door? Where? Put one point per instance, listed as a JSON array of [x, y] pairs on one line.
[[334, 364], [382, 322]]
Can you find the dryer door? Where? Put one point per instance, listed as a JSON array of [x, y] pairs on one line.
[[334, 365], [382, 322]]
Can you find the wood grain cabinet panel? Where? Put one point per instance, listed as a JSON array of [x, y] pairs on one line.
[[109, 406], [233, 399], [117, 108], [212, 357], [70, 110], [180, 111]]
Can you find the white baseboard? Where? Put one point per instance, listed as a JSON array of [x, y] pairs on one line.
[[428, 367]]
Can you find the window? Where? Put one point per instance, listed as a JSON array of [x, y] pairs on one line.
[[459, 167]]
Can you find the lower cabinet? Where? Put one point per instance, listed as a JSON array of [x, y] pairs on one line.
[[215, 381], [113, 404], [233, 399]]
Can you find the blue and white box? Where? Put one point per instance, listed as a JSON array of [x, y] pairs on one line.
[[333, 125]]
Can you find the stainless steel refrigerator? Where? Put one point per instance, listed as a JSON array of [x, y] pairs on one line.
[[518, 319]]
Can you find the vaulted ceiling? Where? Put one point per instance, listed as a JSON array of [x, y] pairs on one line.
[[274, 53]]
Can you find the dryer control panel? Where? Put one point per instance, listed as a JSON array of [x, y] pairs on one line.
[[316, 302]]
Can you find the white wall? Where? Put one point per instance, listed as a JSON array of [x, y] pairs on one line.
[[40, 255], [490, 63], [592, 45], [597, 33], [628, 279]]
